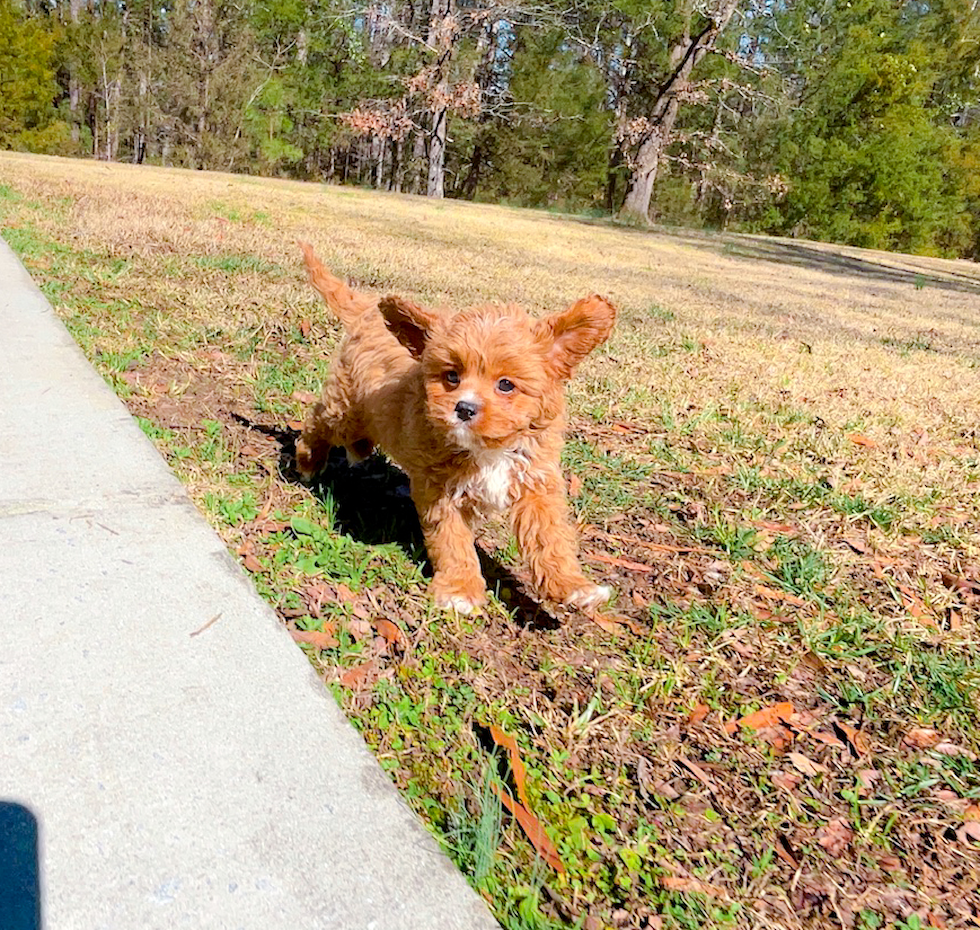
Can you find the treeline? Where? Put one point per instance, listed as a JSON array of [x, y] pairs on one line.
[[855, 121]]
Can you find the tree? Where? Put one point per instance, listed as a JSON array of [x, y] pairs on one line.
[[546, 141], [870, 154], [645, 135], [27, 85]]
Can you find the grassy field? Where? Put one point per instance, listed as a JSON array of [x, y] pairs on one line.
[[775, 461]]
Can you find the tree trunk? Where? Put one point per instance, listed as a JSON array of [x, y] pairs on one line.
[[472, 180], [74, 84], [418, 156], [685, 54], [440, 31], [437, 154], [207, 53], [397, 171], [647, 163]]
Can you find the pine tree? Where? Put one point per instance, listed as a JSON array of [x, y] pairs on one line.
[[27, 85]]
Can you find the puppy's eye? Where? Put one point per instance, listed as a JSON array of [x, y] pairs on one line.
[[505, 386], [451, 378]]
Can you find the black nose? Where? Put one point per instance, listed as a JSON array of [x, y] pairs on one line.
[[466, 410]]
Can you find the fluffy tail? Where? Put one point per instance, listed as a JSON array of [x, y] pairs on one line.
[[347, 304]]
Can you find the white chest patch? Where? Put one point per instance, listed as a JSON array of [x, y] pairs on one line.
[[491, 483]]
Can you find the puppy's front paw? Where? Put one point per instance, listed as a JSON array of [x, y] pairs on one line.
[[462, 605], [589, 597], [452, 597]]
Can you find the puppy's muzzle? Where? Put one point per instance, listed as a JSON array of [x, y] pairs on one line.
[[466, 410]]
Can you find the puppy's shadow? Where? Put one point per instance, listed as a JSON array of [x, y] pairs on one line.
[[372, 504]]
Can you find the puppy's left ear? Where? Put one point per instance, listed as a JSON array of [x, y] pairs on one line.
[[574, 333], [409, 323]]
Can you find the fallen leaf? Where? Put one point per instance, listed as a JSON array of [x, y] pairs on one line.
[[362, 611], [356, 676], [775, 595], [678, 883], [785, 780], [835, 836], [360, 629], [344, 594], [765, 717], [665, 789], [321, 639], [860, 440], [969, 833], [946, 748], [263, 514], [805, 765], [304, 328], [532, 828], [784, 528], [855, 738], [611, 623], [304, 397], [813, 662], [698, 772], [628, 428], [921, 738], [391, 634], [763, 613], [508, 742], [786, 852], [827, 738], [958, 583], [779, 737], [866, 779], [316, 594], [697, 715], [249, 559]]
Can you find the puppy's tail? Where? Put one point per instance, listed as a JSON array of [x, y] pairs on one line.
[[346, 303]]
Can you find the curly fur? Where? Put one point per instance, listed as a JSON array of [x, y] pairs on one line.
[[471, 406]]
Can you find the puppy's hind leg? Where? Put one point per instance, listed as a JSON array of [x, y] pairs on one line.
[[325, 427], [314, 443]]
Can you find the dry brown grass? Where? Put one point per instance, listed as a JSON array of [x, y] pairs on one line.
[[875, 343]]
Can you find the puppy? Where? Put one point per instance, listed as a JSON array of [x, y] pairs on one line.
[[471, 406]]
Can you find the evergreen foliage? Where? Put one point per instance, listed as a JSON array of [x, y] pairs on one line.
[[27, 85]]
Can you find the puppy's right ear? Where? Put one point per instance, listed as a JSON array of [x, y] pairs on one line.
[[409, 323]]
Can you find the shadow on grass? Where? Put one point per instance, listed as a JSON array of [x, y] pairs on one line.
[[802, 254], [372, 504], [805, 255]]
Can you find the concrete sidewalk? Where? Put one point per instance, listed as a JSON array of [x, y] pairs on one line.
[[177, 780]]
